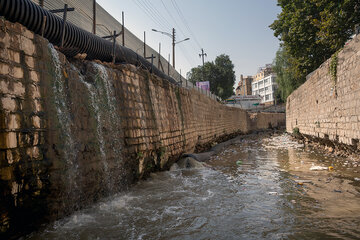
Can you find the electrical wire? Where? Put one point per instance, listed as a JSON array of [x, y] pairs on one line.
[[149, 14], [157, 13], [160, 20], [172, 17], [185, 54], [176, 6]]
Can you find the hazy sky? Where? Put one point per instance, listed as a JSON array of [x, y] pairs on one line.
[[238, 28]]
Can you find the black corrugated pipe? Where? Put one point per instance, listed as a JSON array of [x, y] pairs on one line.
[[76, 39]]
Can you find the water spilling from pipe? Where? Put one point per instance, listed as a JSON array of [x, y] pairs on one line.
[[65, 123], [99, 115], [103, 109], [104, 82]]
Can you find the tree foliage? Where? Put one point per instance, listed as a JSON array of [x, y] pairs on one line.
[[310, 32], [285, 79], [220, 74]]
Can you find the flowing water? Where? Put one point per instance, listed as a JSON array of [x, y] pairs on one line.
[[262, 187], [64, 121]]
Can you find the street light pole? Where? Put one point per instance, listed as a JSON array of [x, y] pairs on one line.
[[173, 41]]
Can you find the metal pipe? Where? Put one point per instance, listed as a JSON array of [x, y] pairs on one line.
[[76, 40]]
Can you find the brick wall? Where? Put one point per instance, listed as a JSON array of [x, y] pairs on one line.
[[72, 132], [325, 109]]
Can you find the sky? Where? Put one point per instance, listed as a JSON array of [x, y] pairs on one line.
[[238, 28]]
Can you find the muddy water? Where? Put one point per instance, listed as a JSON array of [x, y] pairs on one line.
[[259, 188]]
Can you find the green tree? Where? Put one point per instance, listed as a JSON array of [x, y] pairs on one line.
[[286, 80], [220, 74], [310, 32]]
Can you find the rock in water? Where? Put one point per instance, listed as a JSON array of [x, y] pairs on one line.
[[189, 162], [174, 167]]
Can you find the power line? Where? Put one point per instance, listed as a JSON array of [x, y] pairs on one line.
[[186, 55], [157, 13], [176, 6], [149, 14], [183, 20], [160, 20], [190, 60], [171, 16]]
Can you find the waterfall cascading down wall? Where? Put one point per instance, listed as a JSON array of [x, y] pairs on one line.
[[73, 132]]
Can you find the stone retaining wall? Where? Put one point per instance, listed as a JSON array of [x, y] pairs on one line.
[[329, 109], [72, 132]]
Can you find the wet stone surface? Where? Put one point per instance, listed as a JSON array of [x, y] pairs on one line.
[[262, 187]]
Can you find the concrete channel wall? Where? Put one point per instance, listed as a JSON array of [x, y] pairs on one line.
[[73, 132], [327, 108]]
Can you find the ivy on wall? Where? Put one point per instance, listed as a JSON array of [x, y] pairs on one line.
[[333, 67]]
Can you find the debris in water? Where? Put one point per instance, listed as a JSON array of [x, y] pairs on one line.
[[301, 182], [331, 168], [357, 179], [318, 168], [339, 191], [272, 193], [281, 142], [238, 162]]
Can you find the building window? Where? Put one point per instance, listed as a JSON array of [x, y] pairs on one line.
[[266, 88], [267, 97], [266, 81]]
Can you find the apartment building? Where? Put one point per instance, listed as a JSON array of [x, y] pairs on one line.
[[264, 84], [244, 86]]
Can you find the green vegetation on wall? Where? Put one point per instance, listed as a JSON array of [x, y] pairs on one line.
[[333, 67]]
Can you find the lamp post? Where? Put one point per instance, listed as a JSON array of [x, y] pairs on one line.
[[173, 41]]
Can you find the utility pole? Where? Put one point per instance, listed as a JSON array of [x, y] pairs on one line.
[[159, 55], [169, 66], [94, 16], [173, 39], [144, 44], [123, 30], [202, 54]]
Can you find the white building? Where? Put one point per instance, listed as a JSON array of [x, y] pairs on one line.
[[244, 102], [265, 87]]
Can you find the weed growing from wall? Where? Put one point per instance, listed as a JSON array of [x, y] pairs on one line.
[[333, 66]]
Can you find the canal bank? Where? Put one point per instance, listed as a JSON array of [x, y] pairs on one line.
[[328, 147], [263, 186], [73, 131], [327, 106]]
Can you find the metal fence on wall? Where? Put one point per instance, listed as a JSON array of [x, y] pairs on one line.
[[105, 25]]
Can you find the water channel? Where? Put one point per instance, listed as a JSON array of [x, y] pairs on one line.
[[263, 187]]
